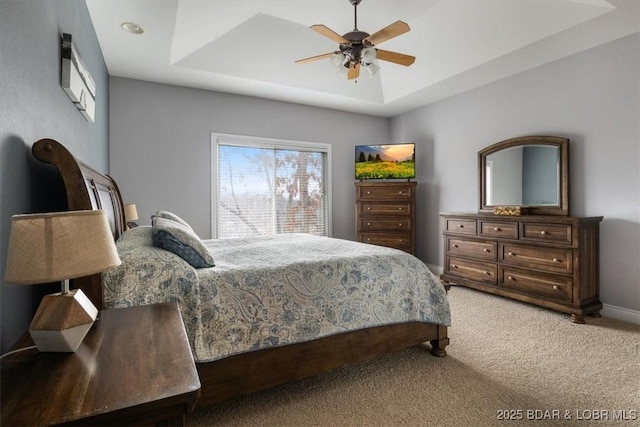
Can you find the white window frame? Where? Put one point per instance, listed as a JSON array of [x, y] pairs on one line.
[[255, 141]]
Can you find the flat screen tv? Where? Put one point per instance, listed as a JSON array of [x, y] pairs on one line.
[[386, 161]]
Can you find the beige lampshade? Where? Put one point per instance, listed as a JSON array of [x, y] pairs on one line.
[[130, 212], [50, 247]]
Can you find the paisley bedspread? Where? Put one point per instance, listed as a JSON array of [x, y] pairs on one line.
[[276, 290]]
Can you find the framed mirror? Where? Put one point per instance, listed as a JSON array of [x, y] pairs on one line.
[[531, 172]]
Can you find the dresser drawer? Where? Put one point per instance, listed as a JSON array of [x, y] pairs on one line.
[[377, 224], [553, 260], [386, 191], [538, 284], [376, 208], [460, 226], [485, 272], [391, 240], [552, 233], [506, 230], [475, 249]]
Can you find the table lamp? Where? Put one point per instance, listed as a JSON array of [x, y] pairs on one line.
[[45, 248], [131, 214]]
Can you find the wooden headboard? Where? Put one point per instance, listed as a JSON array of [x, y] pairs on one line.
[[86, 189]]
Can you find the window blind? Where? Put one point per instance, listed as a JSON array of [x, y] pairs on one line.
[[268, 187]]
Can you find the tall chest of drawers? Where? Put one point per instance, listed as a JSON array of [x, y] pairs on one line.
[[385, 214], [550, 261]]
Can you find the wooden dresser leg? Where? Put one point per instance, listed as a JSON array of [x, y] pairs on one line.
[[577, 318]]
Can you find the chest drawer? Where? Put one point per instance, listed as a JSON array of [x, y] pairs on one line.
[[539, 284], [390, 240], [461, 226], [386, 191], [485, 272], [377, 208], [377, 224], [471, 248], [507, 230], [552, 233], [554, 260]]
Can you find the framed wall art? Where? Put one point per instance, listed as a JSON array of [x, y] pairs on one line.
[[76, 80]]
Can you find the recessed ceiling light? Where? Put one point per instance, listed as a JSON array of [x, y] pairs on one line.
[[132, 27]]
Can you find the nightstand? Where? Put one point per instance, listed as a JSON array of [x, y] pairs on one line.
[[135, 366]]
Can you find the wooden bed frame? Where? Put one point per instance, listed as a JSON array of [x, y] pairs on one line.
[[88, 189]]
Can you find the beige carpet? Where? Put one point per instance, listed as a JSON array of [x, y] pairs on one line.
[[505, 358]]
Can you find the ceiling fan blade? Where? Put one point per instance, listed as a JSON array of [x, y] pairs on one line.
[[395, 57], [328, 32], [315, 58], [388, 32], [354, 72]]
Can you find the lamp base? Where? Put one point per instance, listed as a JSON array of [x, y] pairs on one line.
[[62, 321]]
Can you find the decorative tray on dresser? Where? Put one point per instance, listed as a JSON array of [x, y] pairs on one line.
[[551, 261], [385, 214], [523, 244]]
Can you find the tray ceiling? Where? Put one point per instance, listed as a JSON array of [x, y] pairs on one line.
[[249, 47]]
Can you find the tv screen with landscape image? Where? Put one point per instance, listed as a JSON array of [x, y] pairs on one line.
[[386, 161]]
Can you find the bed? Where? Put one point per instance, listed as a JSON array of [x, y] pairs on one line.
[[385, 310]]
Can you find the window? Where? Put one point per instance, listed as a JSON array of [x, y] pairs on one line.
[[267, 186]]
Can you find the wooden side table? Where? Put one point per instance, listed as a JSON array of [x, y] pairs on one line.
[[135, 366]]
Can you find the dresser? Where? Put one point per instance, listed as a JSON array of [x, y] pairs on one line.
[[386, 213], [550, 261]]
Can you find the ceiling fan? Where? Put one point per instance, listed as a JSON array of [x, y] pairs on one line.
[[357, 47]]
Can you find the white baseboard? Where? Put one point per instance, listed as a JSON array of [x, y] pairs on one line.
[[608, 310], [435, 269], [621, 313]]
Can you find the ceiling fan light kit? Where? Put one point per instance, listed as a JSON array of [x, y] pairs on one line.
[[356, 48]]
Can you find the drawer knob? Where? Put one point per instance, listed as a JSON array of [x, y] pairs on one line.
[[556, 287], [511, 254], [455, 246], [369, 224], [399, 209], [543, 232], [511, 278], [486, 250], [496, 229], [368, 192], [454, 266], [400, 192], [487, 273], [368, 208], [556, 260], [368, 239], [460, 226]]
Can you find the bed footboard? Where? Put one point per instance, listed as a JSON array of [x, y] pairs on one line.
[[255, 371]]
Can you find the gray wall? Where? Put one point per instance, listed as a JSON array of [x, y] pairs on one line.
[[593, 98], [161, 144], [34, 106]]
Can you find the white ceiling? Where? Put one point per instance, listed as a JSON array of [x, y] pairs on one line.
[[249, 47]]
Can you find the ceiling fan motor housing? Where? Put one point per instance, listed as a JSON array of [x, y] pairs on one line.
[[353, 49], [356, 36]]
